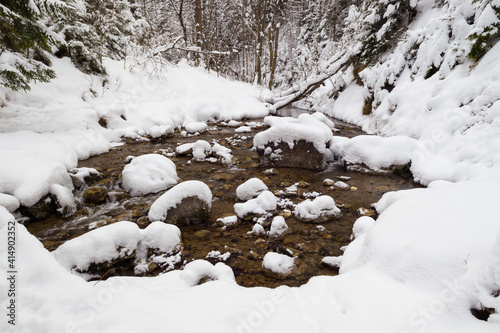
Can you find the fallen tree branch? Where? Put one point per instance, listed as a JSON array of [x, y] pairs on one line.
[[298, 92]]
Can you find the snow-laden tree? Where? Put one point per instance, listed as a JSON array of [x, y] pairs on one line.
[[25, 39]]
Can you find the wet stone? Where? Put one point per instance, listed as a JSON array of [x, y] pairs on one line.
[[303, 155], [191, 210], [40, 210], [95, 195]]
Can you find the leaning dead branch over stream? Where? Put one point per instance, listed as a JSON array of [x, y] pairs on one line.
[[300, 91]]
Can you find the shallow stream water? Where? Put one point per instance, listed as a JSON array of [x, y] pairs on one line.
[[308, 243]]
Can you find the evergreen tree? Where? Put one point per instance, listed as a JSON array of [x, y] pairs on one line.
[[24, 39]]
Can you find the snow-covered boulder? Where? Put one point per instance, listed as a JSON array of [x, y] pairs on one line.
[[319, 210], [278, 227], [266, 202], [93, 253], [277, 265], [374, 153], [203, 151], [250, 189], [149, 173], [290, 142], [186, 203]]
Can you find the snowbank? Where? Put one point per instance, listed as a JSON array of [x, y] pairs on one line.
[[149, 173]]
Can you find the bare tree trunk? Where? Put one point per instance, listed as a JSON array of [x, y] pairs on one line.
[[273, 52]]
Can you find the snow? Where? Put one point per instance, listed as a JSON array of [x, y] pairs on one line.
[[42, 137], [98, 246], [362, 225], [278, 263], [291, 130], [250, 189], [9, 202], [322, 206], [258, 229], [374, 151], [196, 127], [173, 197], [149, 173], [228, 220], [406, 265], [243, 129], [264, 203], [432, 254], [278, 227]]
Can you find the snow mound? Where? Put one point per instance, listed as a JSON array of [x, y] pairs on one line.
[[117, 240], [376, 152], [160, 130], [199, 271], [29, 175], [203, 151], [278, 227], [9, 202], [196, 127], [321, 207], [278, 263], [228, 220], [250, 189], [362, 225], [149, 173], [174, 196], [264, 203], [289, 130], [399, 241]]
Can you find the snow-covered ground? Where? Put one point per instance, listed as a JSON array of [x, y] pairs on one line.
[[431, 256]]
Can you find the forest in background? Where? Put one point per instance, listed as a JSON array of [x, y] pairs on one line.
[[273, 43]]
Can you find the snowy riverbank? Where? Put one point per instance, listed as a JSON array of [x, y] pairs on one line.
[[431, 256]]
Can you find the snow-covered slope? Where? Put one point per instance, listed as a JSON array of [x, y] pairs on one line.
[[432, 86]]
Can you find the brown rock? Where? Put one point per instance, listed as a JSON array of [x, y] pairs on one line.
[[302, 155], [95, 195]]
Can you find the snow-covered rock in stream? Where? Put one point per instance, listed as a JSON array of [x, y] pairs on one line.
[[203, 151], [290, 142], [100, 249], [264, 203], [250, 189], [374, 153], [319, 210], [186, 203], [278, 265], [278, 227], [149, 173]]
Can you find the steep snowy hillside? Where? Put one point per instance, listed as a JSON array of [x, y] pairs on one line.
[[435, 79]]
